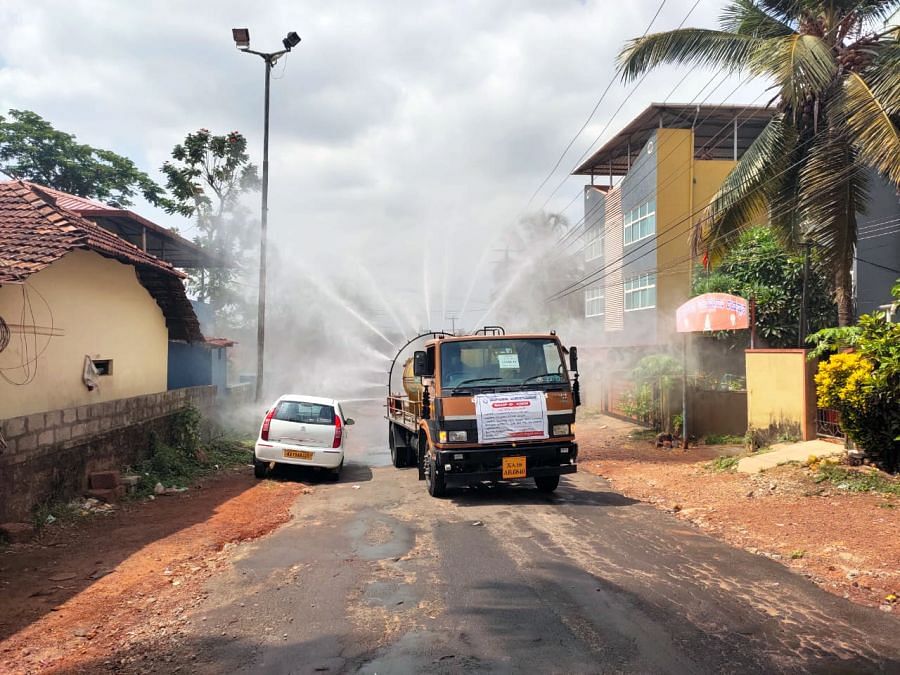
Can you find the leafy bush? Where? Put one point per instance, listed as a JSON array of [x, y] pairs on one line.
[[864, 385]]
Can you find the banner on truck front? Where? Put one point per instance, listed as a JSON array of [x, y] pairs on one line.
[[516, 416]]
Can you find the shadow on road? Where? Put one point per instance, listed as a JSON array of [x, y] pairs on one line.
[[527, 493], [352, 472]]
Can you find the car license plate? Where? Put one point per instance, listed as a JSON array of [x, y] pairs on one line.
[[298, 454], [514, 467]]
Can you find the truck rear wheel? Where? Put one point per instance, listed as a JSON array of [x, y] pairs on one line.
[[398, 455], [546, 483], [436, 485]]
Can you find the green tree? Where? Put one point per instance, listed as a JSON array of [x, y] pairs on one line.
[[834, 67], [759, 267], [207, 178], [31, 149]]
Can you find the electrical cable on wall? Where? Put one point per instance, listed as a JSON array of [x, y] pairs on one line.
[[28, 342]]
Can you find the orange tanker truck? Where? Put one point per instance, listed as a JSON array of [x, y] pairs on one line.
[[486, 407]]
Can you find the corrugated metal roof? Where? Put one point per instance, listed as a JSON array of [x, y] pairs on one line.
[[713, 134]]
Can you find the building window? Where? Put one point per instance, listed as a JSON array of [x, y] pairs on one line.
[[640, 222], [640, 292], [593, 302], [103, 366], [594, 248]]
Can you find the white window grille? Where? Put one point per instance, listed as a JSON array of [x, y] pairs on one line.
[[593, 302], [640, 292], [640, 222], [594, 248]]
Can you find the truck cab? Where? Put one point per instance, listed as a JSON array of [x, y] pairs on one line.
[[489, 407]]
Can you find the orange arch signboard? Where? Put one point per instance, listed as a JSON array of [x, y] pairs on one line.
[[711, 312]]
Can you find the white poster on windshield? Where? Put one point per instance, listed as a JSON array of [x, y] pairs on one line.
[[516, 416]]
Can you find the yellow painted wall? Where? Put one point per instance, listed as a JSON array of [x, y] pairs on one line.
[[684, 187], [780, 390], [673, 208], [105, 313]]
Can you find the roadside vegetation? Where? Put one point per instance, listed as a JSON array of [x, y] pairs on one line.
[[723, 439], [855, 480], [189, 457], [861, 380], [724, 463]]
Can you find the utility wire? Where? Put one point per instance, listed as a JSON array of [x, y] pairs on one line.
[[613, 116], [609, 85], [671, 179], [650, 240]]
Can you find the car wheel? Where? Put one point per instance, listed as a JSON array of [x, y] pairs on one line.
[[335, 474], [546, 483], [436, 485], [398, 455], [260, 469]]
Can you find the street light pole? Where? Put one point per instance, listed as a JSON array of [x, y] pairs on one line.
[[263, 241], [242, 40]]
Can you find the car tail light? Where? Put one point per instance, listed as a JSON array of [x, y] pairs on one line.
[[264, 434], [338, 432]]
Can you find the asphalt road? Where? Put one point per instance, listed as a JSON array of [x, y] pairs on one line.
[[374, 576]]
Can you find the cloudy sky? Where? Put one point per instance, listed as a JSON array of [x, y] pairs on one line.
[[405, 134]]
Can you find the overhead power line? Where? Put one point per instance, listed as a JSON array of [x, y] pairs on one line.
[[587, 279], [609, 85]]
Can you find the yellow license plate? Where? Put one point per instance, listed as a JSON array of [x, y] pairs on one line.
[[514, 467], [298, 454]]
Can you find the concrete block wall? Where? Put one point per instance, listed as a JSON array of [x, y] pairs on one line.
[[48, 455]]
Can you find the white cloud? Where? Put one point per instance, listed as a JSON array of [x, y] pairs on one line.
[[401, 131]]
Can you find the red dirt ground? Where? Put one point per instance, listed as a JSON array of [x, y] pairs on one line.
[[847, 543], [85, 589]]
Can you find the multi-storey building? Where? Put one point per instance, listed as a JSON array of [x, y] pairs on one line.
[[649, 185]]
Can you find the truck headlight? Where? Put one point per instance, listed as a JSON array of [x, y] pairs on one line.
[[561, 430], [459, 436]]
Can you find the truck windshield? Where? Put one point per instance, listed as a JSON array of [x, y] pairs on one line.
[[493, 363]]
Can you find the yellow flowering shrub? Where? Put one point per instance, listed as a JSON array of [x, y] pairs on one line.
[[842, 381]]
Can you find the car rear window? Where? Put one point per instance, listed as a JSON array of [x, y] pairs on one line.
[[304, 413]]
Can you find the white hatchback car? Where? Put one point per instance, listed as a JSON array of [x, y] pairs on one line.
[[302, 430]]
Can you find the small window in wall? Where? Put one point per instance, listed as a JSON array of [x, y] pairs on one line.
[[640, 222], [640, 292], [593, 302], [103, 366]]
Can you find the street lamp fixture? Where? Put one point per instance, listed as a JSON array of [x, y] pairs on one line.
[[241, 38]]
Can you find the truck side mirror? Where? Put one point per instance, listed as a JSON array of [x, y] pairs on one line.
[[573, 359], [420, 365]]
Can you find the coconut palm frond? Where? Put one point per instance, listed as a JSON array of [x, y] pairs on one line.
[[833, 189], [744, 195], [746, 17], [687, 46], [785, 10], [875, 134], [801, 64], [784, 216], [871, 12]]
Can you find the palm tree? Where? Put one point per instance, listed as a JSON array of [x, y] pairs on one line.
[[836, 69]]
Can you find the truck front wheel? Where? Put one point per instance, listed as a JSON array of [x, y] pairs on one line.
[[435, 482], [546, 483]]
